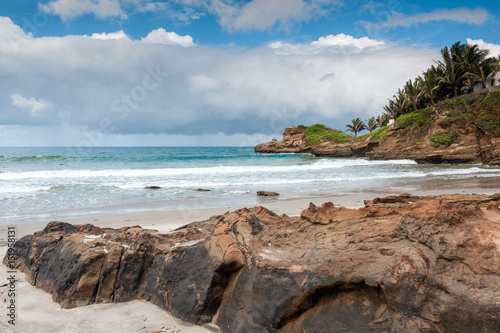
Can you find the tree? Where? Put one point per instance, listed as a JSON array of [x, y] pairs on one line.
[[473, 57], [431, 81], [487, 69], [454, 76], [371, 124], [396, 107], [413, 92], [382, 120], [356, 126]]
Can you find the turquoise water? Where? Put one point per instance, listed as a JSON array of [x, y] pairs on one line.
[[42, 184]]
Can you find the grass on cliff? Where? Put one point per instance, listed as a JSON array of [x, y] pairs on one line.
[[378, 133], [319, 133], [418, 118], [445, 139], [480, 109]]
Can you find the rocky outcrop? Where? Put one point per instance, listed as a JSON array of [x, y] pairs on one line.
[[294, 141], [461, 130], [267, 194], [399, 264]]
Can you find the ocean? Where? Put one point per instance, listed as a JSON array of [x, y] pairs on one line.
[[44, 184]]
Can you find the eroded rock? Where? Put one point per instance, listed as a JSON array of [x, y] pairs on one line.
[[399, 264]]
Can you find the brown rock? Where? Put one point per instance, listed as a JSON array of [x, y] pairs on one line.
[[152, 187], [427, 264]]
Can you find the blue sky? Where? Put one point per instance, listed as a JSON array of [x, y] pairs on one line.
[[214, 72]]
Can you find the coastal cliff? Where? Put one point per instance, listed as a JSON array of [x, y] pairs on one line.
[[461, 130], [399, 264]]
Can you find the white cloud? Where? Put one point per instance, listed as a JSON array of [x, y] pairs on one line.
[[340, 43], [266, 14], [36, 107], [203, 83], [10, 31], [475, 16], [140, 89], [112, 35], [69, 9], [493, 48], [160, 36]]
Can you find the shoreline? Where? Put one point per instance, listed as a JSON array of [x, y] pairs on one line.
[[37, 312], [166, 220]]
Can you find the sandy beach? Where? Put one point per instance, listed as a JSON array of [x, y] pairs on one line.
[[36, 312]]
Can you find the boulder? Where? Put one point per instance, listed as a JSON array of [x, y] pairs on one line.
[[267, 194], [429, 264], [152, 187]]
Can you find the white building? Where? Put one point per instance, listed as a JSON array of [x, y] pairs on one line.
[[494, 81]]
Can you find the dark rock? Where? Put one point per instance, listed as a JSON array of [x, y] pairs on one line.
[[202, 190], [267, 194], [153, 187], [423, 264]]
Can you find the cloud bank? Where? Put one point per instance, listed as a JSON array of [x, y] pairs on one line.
[[118, 88]]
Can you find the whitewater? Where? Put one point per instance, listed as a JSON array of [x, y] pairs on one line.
[[41, 184]]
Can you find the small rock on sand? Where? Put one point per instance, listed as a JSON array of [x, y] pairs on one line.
[[267, 194]]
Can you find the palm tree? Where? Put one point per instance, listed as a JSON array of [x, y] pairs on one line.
[[413, 92], [396, 107], [487, 69], [356, 126], [371, 124], [431, 81], [382, 120], [473, 57], [454, 76]]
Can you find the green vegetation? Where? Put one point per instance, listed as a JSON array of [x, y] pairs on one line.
[[379, 133], [420, 118], [443, 139], [460, 101], [318, 133], [461, 68], [489, 122]]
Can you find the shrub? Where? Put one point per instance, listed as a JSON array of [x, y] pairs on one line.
[[318, 133], [445, 140]]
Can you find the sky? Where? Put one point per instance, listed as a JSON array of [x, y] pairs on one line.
[[214, 72]]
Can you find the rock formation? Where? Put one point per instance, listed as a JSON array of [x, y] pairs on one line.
[[462, 130], [399, 264], [267, 194]]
